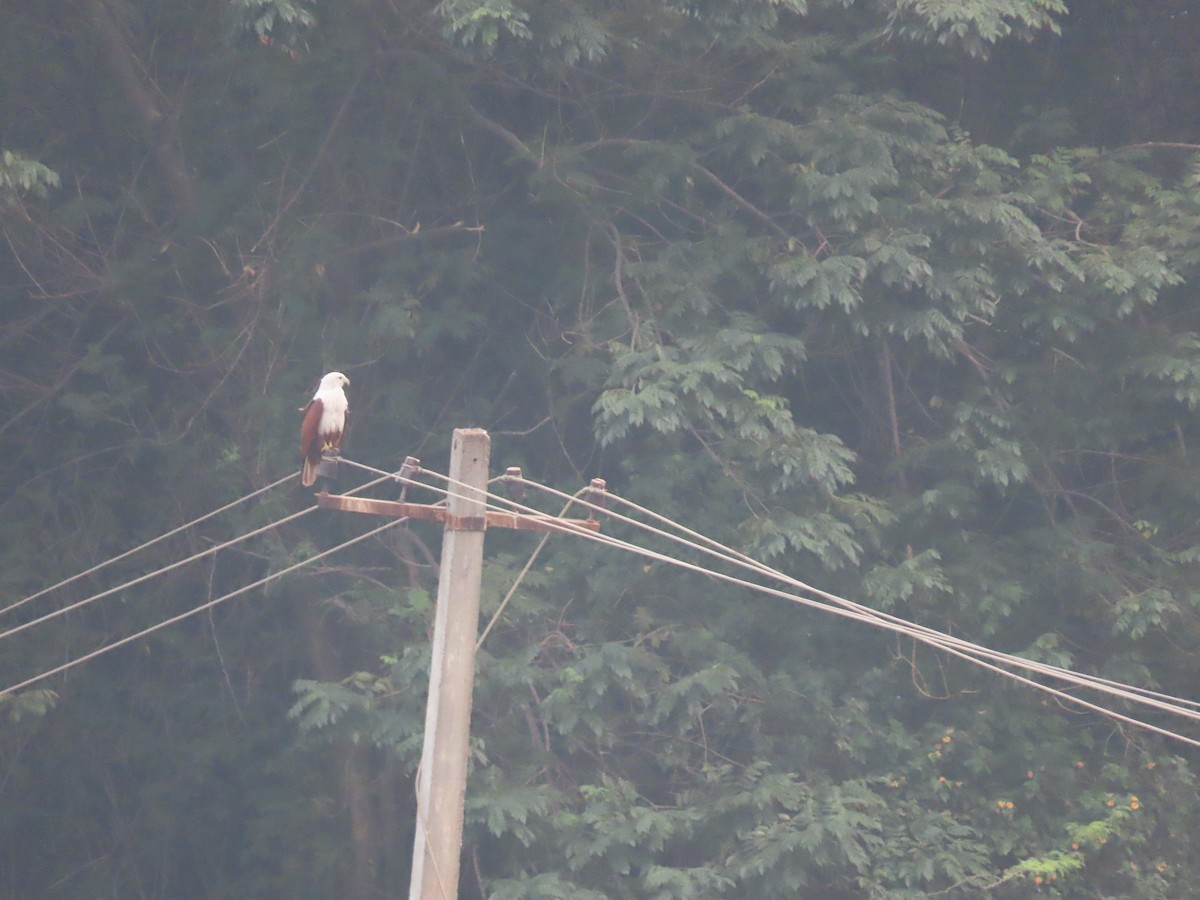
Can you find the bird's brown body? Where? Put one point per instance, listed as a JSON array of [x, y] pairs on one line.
[[323, 425]]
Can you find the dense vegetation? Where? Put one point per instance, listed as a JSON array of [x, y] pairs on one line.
[[896, 295]]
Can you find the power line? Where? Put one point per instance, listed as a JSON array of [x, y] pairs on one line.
[[848, 609], [162, 571], [943, 640], [229, 596], [194, 610], [748, 562], [973, 654], [170, 566], [150, 543], [528, 563], [832, 603], [521, 577]]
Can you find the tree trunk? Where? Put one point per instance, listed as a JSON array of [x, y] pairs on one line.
[[159, 129], [352, 765]]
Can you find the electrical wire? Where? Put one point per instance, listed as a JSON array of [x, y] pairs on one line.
[[145, 632], [984, 657], [977, 655], [528, 563], [973, 653], [944, 640], [162, 571], [742, 560], [520, 577], [170, 566], [385, 476], [150, 543]]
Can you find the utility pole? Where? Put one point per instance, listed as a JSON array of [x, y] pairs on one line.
[[442, 776]]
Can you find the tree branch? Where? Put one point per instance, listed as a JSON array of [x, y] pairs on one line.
[[164, 146], [743, 202], [523, 149]]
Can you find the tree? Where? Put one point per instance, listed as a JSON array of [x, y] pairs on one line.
[[743, 259]]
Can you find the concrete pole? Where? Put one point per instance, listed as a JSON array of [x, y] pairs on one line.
[[442, 778]]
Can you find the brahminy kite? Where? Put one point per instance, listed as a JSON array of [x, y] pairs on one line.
[[324, 422]]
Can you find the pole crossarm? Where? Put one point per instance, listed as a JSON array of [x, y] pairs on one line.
[[490, 519]]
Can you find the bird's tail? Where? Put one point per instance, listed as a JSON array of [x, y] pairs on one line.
[[308, 475]]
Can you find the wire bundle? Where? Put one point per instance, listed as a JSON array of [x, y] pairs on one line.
[[1007, 665]]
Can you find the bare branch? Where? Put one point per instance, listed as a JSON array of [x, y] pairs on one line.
[[164, 147]]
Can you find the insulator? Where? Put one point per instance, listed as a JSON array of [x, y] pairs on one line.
[[328, 466], [411, 466], [514, 484], [597, 493]]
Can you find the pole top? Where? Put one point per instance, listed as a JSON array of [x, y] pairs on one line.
[[468, 434]]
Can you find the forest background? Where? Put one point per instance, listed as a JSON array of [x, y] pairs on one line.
[[896, 295]]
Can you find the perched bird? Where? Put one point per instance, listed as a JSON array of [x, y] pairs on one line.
[[324, 422]]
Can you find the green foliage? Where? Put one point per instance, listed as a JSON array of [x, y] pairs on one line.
[[481, 22], [28, 704], [20, 175], [917, 576], [809, 277], [972, 26], [1176, 366], [323, 705], [273, 21]]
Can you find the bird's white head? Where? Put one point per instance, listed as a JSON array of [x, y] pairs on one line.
[[333, 381]]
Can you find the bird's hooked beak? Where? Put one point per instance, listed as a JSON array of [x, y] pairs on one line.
[[346, 380]]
